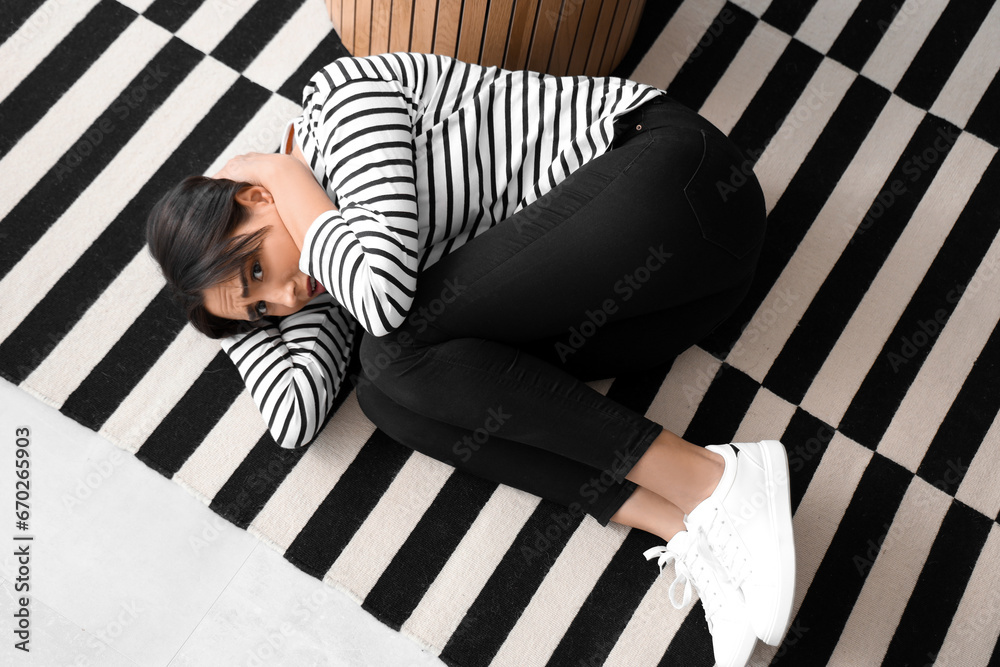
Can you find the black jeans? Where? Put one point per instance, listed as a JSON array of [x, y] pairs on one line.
[[630, 260]]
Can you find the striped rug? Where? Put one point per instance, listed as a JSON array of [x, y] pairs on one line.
[[869, 343]]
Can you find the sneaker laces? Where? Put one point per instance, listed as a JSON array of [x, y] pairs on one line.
[[726, 546], [692, 568]]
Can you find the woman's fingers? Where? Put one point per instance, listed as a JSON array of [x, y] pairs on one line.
[[243, 167]]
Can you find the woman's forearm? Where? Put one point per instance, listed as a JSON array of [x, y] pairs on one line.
[[299, 198]]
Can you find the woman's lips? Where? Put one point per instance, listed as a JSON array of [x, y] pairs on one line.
[[314, 287]]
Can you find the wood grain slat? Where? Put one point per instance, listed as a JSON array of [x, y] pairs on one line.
[[519, 43], [635, 8], [561, 37], [399, 28], [608, 62], [362, 28], [585, 37], [381, 18], [497, 28], [470, 41], [424, 17], [565, 38], [549, 13], [347, 24], [446, 33], [600, 38]]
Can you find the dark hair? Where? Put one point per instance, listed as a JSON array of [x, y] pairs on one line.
[[191, 235]]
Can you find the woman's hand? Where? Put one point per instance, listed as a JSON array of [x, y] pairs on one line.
[[253, 168]]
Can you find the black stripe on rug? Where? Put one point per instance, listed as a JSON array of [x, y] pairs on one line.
[[843, 289], [428, 547], [985, 121], [864, 30], [805, 196], [510, 588], [63, 306], [347, 505], [715, 51], [60, 69], [190, 420], [942, 49], [253, 32], [128, 361], [610, 605], [328, 50], [874, 405], [806, 438], [964, 428], [722, 409], [788, 15], [256, 478], [775, 99], [16, 14], [171, 15], [842, 573], [939, 588]]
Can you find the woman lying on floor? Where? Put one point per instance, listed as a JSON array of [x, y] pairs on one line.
[[502, 238]]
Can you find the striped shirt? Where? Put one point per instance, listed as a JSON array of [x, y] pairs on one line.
[[419, 153]]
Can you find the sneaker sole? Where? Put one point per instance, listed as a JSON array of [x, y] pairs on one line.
[[776, 468]]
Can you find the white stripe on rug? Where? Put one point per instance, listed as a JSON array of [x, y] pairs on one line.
[[973, 74], [36, 38], [653, 625], [744, 76], [65, 241], [898, 561], [62, 127], [941, 376], [440, 611], [766, 419], [682, 391], [212, 22], [222, 451], [818, 517], [787, 149], [293, 44], [979, 489], [561, 594], [100, 328], [159, 390], [825, 22], [388, 525], [975, 627], [829, 235], [901, 41], [676, 42], [305, 487]]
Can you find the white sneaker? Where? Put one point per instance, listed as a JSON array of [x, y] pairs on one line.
[[747, 522], [733, 637]]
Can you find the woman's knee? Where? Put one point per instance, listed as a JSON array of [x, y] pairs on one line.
[[389, 362]]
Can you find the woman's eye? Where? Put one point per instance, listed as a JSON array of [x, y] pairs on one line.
[[257, 272], [261, 308]]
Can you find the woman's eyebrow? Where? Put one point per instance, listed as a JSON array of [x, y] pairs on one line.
[[252, 314]]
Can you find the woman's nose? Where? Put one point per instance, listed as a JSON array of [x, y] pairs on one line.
[[284, 294]]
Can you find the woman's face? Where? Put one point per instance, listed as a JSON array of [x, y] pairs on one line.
[[271, 282]]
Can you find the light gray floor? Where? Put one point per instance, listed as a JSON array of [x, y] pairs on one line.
[[128, 569]]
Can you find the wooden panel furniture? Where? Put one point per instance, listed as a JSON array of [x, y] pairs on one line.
[[556, 36]]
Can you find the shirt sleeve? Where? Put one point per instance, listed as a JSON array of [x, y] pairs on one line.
[[365, 253], [293, 369]]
